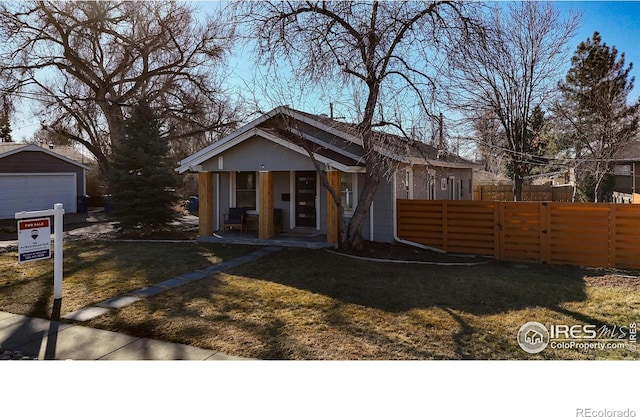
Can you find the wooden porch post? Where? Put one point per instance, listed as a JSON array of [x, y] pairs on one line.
[[265, 223], [205, 203], [333, 223]]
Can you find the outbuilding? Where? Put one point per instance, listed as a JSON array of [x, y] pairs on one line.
[[36, 178]]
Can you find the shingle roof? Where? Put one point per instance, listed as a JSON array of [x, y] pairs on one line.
[[338, 141], [396, 144], [629, 152], [63, 152]]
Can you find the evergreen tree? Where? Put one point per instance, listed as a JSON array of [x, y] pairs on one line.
[[5, 124], [594, 108], [142, 174], [5, 129]]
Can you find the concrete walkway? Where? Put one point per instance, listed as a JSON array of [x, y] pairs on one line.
[[48, 339]]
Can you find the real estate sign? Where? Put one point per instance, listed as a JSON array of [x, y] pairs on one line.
[[34, 240]]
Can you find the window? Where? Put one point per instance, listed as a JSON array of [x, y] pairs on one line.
[[408, 184], [431, 185], [432, 191], [246, 190], [348, 192]]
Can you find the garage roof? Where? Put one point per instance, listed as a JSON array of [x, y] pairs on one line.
[[7, 149]]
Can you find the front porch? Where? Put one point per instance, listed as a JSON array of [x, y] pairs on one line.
[[305, 215]]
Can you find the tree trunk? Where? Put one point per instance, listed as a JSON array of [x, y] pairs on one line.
[[517, 182], [353, 239]]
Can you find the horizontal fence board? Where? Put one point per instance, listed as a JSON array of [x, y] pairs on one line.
[[529, 193], [589, 234]]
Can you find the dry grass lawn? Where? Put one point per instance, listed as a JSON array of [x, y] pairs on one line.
[[305, 304], [95, 271]]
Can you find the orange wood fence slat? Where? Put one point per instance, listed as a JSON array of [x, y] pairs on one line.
[[587, 234]]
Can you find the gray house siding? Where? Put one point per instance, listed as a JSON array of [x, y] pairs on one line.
[[225, 202], [281, 188], [444, 178], [383, 207], [257, 154], [366, 225]]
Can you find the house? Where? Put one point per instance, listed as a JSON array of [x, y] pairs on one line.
[[625, 171], [266, 165], [36, 178]]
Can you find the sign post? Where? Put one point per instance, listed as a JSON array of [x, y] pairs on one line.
[[33, 246]]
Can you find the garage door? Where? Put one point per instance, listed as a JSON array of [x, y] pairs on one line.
[[27, 192]]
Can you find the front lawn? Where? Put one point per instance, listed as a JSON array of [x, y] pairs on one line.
[[313, 304], [97, 270]]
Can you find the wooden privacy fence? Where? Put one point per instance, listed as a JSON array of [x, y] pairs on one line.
[[529, 193], [588, 234]]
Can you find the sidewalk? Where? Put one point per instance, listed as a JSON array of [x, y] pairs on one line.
[[45, 339]]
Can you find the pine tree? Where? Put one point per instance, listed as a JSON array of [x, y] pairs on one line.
[[5, 124], [142, 175], [594, 107], [5, 129]]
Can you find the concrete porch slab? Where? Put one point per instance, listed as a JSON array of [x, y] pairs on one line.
[[289, 243]]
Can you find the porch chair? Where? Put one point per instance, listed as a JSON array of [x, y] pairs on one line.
[[277, 220], [235, 218]]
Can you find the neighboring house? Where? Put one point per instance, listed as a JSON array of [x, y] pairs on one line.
[[265, 165], [36, 178], [625, 170], [483, 177]]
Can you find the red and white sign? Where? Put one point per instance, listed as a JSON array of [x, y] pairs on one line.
[[34, 240]]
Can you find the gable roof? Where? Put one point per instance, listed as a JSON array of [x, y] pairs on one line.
[[8, 149], [333, 142]]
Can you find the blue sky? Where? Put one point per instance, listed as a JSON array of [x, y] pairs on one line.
[[617, 21]]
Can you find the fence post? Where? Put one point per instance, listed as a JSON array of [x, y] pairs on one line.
[[545, 233], [445, 231], [612, 235], [498, 216]]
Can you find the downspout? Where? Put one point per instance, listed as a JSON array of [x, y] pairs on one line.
[[395, 223]]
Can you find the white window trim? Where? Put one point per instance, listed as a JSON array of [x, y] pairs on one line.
[[292, 199], [454, 192], [318, 200], [232, 189], [409, 173], [232, 192]]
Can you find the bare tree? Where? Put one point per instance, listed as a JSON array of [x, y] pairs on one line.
[[90, 61], [511, 68], [380, 50], [489, 141]]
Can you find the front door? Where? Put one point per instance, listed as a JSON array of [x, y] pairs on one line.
[[306, 199]]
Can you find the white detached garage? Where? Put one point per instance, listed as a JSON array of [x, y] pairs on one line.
[[35, 178]]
